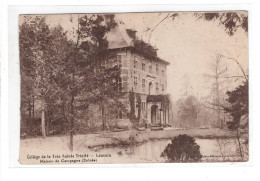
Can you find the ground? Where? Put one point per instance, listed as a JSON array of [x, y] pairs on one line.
[[101, 139]]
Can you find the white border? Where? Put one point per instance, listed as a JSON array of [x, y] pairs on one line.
[[10, 106]]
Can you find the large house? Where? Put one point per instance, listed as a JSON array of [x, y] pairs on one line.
[[143, 76]]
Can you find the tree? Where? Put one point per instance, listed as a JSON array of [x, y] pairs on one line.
[[238, 109], [106, 83], [68, 75], [230, 20], [88, 81], [182, 148], [27, 67], [238, 100], [37, 56], [108, 91], [188, 111], [217, 77], [187, 88]]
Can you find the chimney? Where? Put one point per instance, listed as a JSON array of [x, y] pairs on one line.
[[131, 33]]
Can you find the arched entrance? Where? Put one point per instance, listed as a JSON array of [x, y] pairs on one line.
[[154, 111]]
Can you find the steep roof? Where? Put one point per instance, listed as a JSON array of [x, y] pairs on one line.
[[120, 37]]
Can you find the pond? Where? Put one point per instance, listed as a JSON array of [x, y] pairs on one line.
[[212, 150]]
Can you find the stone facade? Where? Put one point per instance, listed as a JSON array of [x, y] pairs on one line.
[[143, 73], [144, 77]]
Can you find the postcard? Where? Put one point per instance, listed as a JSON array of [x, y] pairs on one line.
[[159, 87]]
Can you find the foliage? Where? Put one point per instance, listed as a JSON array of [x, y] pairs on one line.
[[230, 20], [104, 82], [238, 109], [37, 57], [182, 148], [68, 75]]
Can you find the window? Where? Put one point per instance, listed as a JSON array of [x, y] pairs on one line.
[[135, 80], [119, 85], [119, 60], [143, 83], [150, 87], [162, 87], [157, 86], [157, 69], [163, 73], [150, 69], [143, 66], [135, 64]]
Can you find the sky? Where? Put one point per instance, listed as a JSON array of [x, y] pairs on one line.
[[189, 44]]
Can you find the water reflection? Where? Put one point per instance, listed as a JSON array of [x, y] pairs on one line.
[[212, 150]]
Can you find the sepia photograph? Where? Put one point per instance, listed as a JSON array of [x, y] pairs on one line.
[[148, 87]]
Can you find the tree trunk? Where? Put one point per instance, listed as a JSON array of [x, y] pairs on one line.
[[47, 128], [240, 146], [33, 107], [72, 123], [29, 109], [217, 92], [71, 134], [103, 117], [87, 118], [218, 102], [43, 120], [30, 116]]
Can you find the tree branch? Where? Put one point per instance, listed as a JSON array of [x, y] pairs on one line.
[[239, 65], [167, 16]]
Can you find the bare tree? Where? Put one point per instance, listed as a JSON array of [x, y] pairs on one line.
[[217, 78], [186, 86]]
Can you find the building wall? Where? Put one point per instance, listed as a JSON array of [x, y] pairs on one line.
[[138, 72]]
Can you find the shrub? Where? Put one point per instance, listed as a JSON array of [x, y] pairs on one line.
[[182, 149]]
